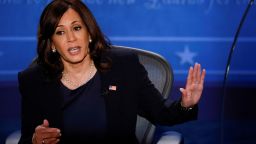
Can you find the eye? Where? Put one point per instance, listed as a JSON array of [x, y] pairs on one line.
[[59, 32], [77, 28]]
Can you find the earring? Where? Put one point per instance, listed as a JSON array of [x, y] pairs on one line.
[[90, 40], [54, 50]]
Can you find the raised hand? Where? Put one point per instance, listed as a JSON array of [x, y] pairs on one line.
[[45, 135], [194, 86]]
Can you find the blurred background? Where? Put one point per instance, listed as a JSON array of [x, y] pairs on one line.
[[182, 31]]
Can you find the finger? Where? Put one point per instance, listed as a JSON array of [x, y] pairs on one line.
[[51, 130], [51, 133], [56, 141], [186, 96], [42, 132], [38, 136], [195, 73], [42, 126], [51, 140], [189, 78], [198, 73], [202, 77], [182, 90], [39, 128], [45, 123]]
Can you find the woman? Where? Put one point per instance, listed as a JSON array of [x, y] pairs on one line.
[[80, 90]]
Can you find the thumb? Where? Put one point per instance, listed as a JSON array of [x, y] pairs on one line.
[[45, 123], [183, 91]]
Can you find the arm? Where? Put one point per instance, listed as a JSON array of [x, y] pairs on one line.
[[151, 103], [26, 113], [32, 129]]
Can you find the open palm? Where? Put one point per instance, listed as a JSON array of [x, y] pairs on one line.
[[194, 86]]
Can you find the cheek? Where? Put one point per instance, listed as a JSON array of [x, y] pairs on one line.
[[84, 36], [58, 43], [84, 39], [60, 47]]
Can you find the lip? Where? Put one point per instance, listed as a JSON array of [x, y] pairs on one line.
[[74, 50]]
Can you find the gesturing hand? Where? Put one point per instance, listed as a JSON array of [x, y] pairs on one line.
[[194, 86], [45, 135]]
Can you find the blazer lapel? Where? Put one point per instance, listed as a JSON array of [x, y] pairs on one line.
[[53, 100], [112, 101]]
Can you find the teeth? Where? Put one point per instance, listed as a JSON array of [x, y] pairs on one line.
[[73, 49]]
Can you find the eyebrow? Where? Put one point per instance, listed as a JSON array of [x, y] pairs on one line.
[[71, 23]]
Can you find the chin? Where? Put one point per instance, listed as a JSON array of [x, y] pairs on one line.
[[77, 61]]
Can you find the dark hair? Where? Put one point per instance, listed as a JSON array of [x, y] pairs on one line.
[[49, 21]]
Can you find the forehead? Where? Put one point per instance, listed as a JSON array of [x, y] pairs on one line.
[[70, 16]]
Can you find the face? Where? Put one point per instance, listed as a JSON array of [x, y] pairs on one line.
[[71, 38]]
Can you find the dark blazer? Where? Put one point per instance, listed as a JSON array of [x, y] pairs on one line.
[[135, 94]]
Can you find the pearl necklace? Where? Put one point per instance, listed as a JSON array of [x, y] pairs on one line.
[[77, 84]]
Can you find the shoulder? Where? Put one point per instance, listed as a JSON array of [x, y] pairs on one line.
[[31, 71], [31, 74], [121, 51], [122, 55], [126, 61]]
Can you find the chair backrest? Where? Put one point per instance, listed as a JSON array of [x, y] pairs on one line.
[[161, 75]]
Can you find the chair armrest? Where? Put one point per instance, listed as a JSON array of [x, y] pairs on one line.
[[13, 138], [170, 137]]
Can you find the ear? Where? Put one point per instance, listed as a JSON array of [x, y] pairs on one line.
[[53, 48]]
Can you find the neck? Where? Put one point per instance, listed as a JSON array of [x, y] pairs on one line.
[[75, 75], [79, 68]]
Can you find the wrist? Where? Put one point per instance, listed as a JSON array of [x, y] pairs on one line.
[[185, 108]]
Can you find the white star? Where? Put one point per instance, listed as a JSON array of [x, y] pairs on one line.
[[186, 56]]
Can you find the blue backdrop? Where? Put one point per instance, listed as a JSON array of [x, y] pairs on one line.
[[183, 31]]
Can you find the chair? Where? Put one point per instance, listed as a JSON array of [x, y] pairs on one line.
[[161, 75]]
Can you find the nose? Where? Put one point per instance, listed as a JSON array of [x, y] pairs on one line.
[[71, 36]]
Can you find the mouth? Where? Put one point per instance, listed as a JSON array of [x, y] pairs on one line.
[[74, 50]]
